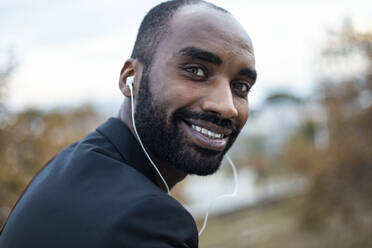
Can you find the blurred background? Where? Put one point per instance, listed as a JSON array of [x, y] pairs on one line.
[[304, 157]]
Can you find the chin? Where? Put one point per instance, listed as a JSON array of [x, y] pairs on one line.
[[202, 162]]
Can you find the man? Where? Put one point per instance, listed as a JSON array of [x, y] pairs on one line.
[[192, 68]]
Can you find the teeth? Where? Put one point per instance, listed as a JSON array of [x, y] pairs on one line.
[[207, 132]]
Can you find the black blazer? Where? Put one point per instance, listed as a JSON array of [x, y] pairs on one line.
[[99, 192]]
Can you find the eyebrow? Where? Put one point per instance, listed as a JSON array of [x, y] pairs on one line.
[[247, 72], [197, 53]]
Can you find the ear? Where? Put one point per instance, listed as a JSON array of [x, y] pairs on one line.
[[131, 68]]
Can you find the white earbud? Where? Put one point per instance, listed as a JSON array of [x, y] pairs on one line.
[[129, 81]]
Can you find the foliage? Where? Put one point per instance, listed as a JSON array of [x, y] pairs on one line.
[[337, 205], [28, 139]]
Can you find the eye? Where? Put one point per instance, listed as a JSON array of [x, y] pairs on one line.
[[196, 70], [242, 88]]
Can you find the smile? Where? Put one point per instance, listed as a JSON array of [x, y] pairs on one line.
[[207, 133]]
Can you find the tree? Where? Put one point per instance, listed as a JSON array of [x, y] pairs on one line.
[[337, 206], [28, 139]]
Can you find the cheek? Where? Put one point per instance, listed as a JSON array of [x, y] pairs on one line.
[[178, 95], [243, 110]]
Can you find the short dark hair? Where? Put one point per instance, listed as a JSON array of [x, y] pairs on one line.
[[153, 28]]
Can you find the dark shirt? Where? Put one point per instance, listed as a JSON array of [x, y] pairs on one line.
[[99, 192]]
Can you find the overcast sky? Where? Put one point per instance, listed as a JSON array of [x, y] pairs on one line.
[[71, 51]]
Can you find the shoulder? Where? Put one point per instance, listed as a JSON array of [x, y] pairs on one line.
[[97, 200], [156, 221]]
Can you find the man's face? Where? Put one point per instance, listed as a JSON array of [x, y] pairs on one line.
[[193, 101]]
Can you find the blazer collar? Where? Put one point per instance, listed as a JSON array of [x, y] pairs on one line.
[[123, 140]]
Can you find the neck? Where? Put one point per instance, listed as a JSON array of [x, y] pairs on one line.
[[170, 173]]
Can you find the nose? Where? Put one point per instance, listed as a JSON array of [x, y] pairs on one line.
[[219, 100]]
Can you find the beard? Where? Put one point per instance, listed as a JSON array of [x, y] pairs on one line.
[[162, 136]]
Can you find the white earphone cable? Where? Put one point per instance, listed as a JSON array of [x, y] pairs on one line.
[[142, 146], [233, 194]]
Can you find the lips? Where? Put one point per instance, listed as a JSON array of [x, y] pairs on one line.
[[206, 135]]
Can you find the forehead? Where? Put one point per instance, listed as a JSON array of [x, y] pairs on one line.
[[209, 29]]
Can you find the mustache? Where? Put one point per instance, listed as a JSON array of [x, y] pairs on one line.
[[210, 117]]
